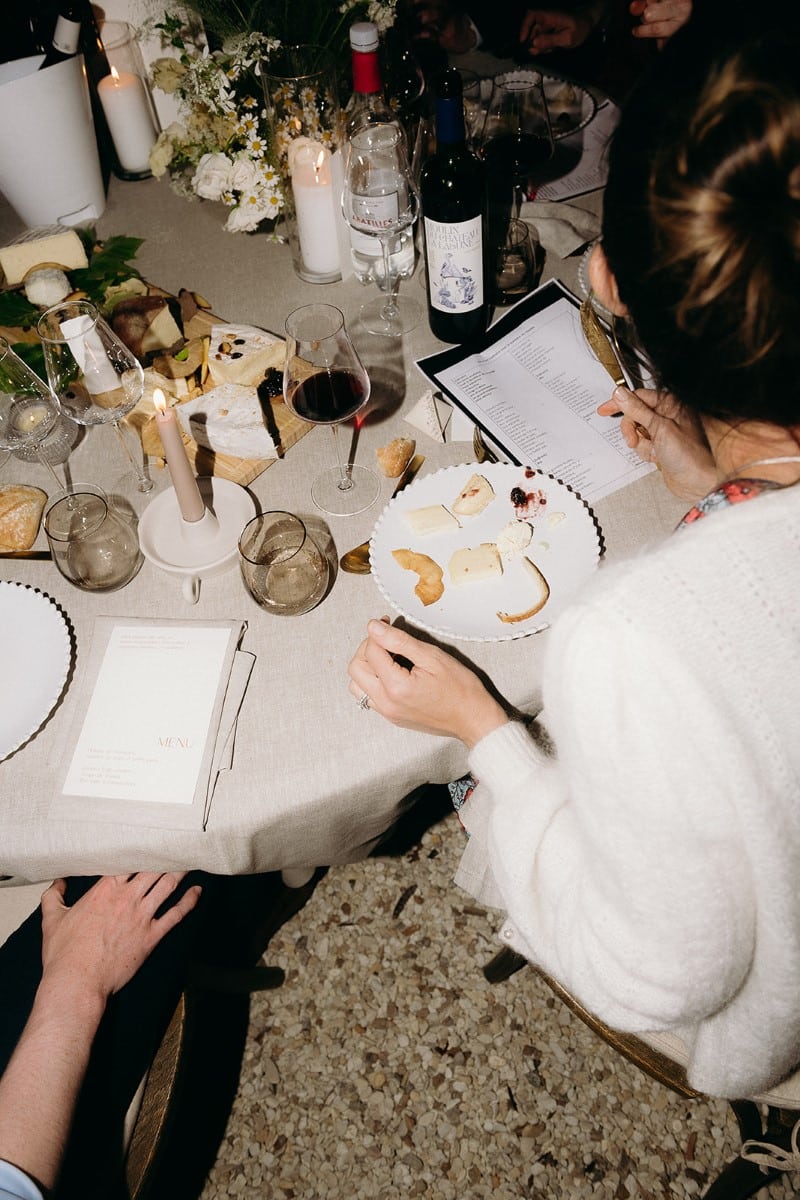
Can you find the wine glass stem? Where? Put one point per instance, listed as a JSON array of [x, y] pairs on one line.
[[389, 310], [345, 482], [45, 461], [144, 483]]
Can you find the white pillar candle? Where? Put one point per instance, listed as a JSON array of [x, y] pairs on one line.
[[312, 188], [127, 110], [190, 502]]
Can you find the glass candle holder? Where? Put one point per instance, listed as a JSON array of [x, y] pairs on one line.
[[127, 102], [306, 130]]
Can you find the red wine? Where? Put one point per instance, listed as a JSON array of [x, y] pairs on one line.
[[328, 397], [453, 194], [519, 160]]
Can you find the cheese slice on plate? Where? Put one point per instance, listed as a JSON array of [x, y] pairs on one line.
[[242, 354], [433, 518], [228, 419], [471, 564], [474, 496]]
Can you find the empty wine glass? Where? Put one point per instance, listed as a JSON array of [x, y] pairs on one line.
[[517, 141], [28, 409], [324, 382], [380, 201], [97, 379]]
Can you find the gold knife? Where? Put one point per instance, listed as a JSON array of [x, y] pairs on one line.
[[356, 561], [600, 343], [25, 554], [605, 354]]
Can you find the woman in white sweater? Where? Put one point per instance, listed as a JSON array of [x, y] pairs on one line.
[[647, 850]]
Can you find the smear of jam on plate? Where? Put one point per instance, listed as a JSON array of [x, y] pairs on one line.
[[527, 504]]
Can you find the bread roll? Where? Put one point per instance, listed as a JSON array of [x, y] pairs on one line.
[[20, 513], [394, 457]]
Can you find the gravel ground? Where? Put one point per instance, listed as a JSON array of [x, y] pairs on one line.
[[387, 1067]]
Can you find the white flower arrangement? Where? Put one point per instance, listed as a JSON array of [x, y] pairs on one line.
[[220, 150], [225, 147]]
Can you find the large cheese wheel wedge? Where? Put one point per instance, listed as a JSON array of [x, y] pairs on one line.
[[57, 250]]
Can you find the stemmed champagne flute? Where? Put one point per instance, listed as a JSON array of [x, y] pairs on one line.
[[517, 140], [97, 379], [324, 382], [380, 201], [28, 409]]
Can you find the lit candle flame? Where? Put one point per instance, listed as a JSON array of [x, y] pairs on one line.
[[115, 74], [159, 400], [318, 164]]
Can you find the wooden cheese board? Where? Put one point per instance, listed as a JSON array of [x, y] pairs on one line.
[[284, 427]]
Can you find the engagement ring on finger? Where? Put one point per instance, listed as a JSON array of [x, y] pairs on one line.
[[363, 702]]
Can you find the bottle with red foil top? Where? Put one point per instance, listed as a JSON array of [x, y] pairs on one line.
[[368, 106]]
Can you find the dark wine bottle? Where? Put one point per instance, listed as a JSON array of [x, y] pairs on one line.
[[22, 35], [66, 35], [97, 67], [453, 194]]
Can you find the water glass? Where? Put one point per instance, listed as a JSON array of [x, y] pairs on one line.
[[517, 264], [92, 544], [284, 569]]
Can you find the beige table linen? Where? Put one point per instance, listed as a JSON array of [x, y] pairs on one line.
[[314, 780]]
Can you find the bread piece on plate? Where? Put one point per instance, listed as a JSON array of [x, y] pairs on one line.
[[472, 564], [541, 595], [20, 513], [395, 456], [432, 518], [430, 585], [474, 497]]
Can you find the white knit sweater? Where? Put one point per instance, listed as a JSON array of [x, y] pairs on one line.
[[652, 865]]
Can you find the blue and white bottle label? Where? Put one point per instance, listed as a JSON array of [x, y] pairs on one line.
[[455, 264]]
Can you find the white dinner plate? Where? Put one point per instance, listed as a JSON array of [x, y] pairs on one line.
[[35, 657], [565, 547], [571, 106]]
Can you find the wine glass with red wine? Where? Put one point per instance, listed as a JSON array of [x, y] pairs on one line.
[[517, 140], [324, 382]]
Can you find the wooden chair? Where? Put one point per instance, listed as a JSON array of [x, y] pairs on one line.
[[769, 1124]]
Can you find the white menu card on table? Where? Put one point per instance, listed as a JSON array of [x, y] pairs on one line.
[[154, 710], [533, 385]]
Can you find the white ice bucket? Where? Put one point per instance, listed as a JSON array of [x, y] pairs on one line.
[[49, 165]]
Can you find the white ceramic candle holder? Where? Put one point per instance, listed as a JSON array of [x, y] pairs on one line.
[[196, 550]]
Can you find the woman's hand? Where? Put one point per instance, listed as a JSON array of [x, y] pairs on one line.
[[662, 431], [436, 695], [660, 18]]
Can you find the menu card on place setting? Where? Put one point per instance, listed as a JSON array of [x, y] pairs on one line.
[[155, 706], [533, 386]]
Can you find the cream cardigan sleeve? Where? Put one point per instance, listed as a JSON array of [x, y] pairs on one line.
[[618, 859]]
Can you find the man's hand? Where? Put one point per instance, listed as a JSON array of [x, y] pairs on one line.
[[662, 431], [449, 27], [660, 18], [545, 29], [437, 695], [100, 942]]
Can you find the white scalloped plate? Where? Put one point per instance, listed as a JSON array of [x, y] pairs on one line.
[[565, 547], [35, 653], [565, 123]]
